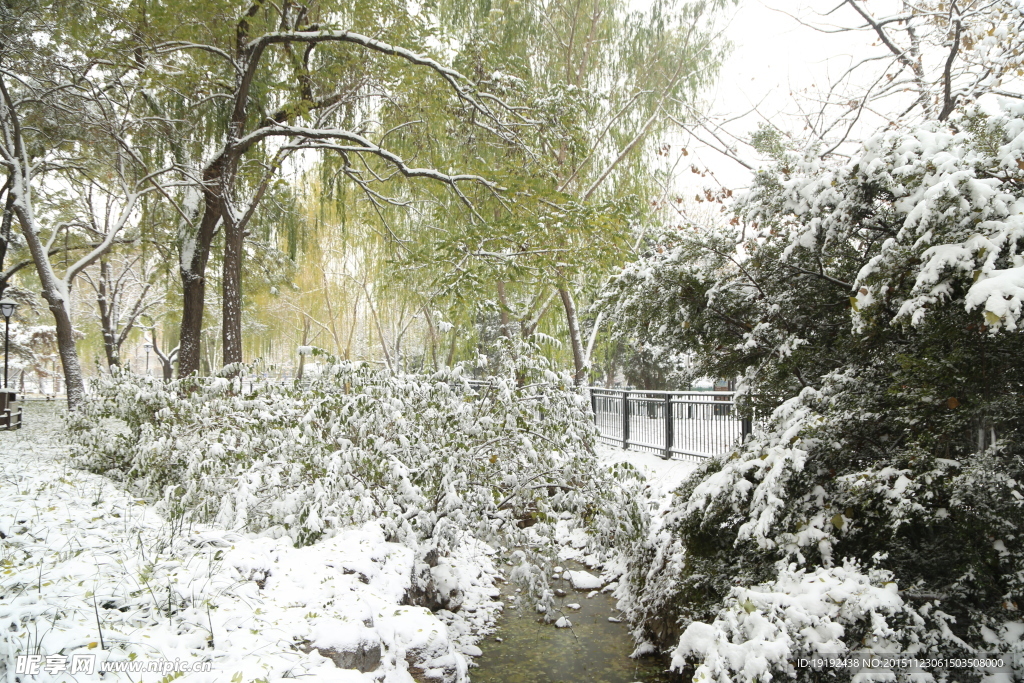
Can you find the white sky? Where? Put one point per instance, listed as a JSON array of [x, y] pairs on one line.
[[775, 59]]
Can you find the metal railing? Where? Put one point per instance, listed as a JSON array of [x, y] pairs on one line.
[[689, 424], [695, 424]]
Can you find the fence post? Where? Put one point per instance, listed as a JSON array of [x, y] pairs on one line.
[[669, 427], [593, 404], [746, 428], [625, 419]]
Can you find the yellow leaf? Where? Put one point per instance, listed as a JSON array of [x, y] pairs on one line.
[[952, 402], [992, 318], [93, 645], [837, 521]]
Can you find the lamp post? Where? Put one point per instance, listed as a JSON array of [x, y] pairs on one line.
[[147, 347], [7, 310]]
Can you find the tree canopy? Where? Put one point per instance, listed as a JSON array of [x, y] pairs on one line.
[[872, 308]]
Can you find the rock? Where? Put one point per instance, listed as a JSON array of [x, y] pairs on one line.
[[423, 638], [363, 660], [584, 581], [573, 605], [364, 657], [559, 592], [436, 587], [563, 623], [614, 620]]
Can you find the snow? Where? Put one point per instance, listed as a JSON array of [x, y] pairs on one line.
[[84, 557], [801, 613], [584, 581], [663, 475], [83, 561]]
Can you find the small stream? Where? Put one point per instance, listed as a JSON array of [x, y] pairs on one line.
[[593, 650]]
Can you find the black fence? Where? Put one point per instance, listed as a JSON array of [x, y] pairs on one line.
[[693, 424], [687, 424]]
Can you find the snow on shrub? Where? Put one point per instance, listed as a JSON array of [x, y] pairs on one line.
[[429, 458], [800, 614], [872, 307]]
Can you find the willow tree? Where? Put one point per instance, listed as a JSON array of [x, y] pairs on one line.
[[243, 87], [601, 82]]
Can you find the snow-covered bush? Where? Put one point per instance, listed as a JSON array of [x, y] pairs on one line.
[[429, 458], [873, 309]]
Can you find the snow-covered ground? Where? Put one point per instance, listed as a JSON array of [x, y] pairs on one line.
[[663, 476], [87, 569]]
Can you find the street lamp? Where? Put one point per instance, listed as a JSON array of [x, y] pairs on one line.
[[147, 347], [7, 310]]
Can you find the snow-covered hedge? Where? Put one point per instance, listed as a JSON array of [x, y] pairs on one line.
[[429, 458], [872, 307]]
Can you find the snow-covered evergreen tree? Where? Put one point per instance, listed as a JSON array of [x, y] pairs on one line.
[[873, 308]]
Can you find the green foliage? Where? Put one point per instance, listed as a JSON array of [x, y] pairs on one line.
[[871, 309], [429, 458]]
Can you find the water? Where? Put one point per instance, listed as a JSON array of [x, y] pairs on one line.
[[594, 650]]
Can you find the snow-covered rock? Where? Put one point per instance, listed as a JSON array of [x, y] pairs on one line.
[[584, 581]]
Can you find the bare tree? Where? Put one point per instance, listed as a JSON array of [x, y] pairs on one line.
[[920, 61], [58, 122], [124, 293]]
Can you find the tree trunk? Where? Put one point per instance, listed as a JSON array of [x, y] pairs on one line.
[[56, 294], [195, 251], [231, 292], [593, 338], [451, 349], [574, 336], [305, 341], [73, 381], [505, 331], [108, 316]]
